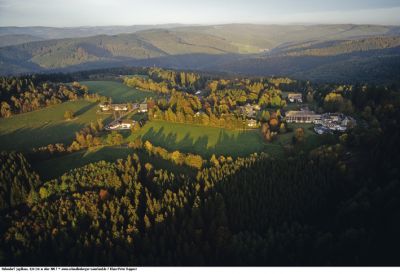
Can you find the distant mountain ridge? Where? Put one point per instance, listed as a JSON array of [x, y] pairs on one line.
[[238, 48], [17, 39], [47, 33]]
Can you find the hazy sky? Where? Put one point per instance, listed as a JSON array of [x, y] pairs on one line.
[[62, 13]]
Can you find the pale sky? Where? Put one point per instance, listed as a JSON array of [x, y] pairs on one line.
[[72, 13]]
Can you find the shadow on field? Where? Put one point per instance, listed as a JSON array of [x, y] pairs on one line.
[[25, 138], [240, 144], [84, 109], [56, 166]]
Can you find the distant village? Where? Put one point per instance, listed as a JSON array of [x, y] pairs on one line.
[[323, 123]]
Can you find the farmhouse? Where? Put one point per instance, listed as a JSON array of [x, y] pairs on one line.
[[113, 107], [143, 107], [302, 116], [295, 97], [251, 123], [121, 125]]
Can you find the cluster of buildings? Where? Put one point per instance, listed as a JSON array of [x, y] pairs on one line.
[[331, 122], [250, 112], [324, 123], [120, 124]]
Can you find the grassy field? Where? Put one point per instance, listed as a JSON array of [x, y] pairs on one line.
[[55, 167], [118, 91], [45, 126], [203, 140]]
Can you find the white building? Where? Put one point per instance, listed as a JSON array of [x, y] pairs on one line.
[[295, 97], [143, 107], [113, 107], [121, 125], [251, 123], [302, 117]]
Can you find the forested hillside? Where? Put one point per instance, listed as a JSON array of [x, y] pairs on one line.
[[332, 48], [297, 51]]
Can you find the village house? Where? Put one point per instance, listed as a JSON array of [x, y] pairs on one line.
[[143, 107], [295, 97], [302, 116], [251, 123], [198, 114], [121, 125]]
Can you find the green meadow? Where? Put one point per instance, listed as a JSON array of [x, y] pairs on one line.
[[202, 140], [118, 92], [46, 126]]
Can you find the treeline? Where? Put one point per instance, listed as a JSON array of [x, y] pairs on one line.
[[24, 94], [89, 136], [183, 80], [177, 157], [166, 81]]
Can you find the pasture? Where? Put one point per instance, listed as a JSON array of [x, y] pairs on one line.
[[118, 92], [46, 126], [202, 140]]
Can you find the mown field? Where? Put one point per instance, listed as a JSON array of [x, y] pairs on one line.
[[118, 92], [46, 126], [202, 140]]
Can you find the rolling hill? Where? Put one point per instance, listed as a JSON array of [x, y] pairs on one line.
[[17, 39], [318, 52], [46, 33]]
